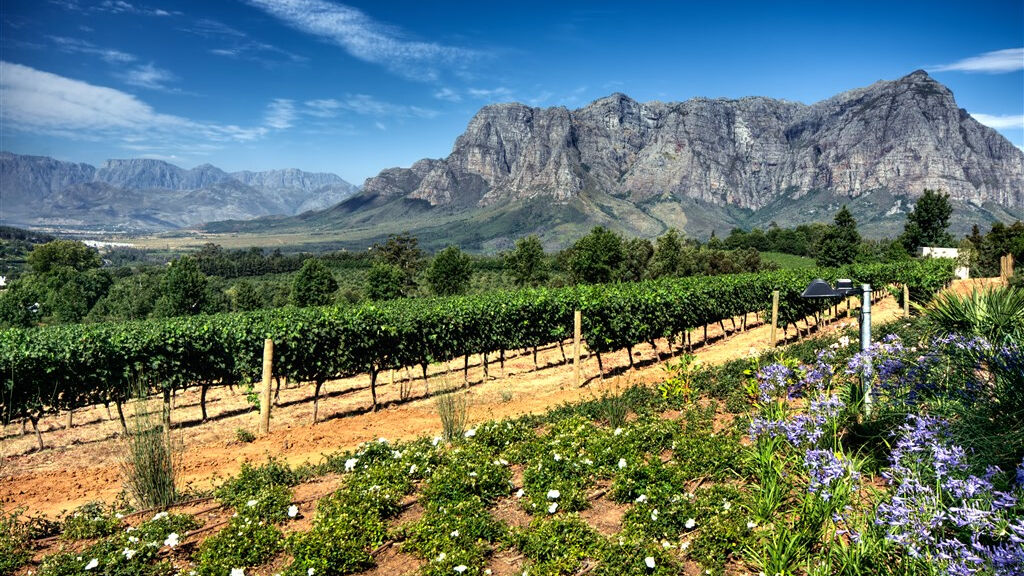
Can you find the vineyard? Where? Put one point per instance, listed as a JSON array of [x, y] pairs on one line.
[[50, 369]]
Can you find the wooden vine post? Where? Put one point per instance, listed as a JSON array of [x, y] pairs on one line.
[[268, 371], [577, 329], [1005, 267], [906, 300], [775, 317]]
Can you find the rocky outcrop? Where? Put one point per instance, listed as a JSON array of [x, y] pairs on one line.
[[901, 136]]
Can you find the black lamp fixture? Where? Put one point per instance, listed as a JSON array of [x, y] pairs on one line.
[[820, 289], [844, 286]]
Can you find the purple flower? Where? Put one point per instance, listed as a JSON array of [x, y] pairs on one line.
[[773, 381]]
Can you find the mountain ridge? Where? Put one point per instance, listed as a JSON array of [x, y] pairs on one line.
[[144, 194]]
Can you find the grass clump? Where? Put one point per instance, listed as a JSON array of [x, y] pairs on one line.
[[451, 408], [148, 459]]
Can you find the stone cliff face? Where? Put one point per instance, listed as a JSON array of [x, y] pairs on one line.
[[903, 136]]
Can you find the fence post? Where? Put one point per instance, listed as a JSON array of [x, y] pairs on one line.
[[775, 317], [1009, 266], [577, 329], [906, 300], [268, 370]]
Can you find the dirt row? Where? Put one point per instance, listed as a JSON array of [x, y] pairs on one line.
[[81, 464]]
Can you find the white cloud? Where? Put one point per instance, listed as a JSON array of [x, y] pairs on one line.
[[366, 39], [236, 44], [1009, 60], [448, 94], [39, 102], [499, 93], [74, 45], [365, 105], [1000, 121], [280, 114], [148, 76]]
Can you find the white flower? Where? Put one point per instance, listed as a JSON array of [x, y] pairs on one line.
[[441, 557], [128, 553], [396, 454], [172, 540], [553, 494], [119, 516], [159, 515], [844, 341], [238, 572], [472, 474], [293, 511], [622, 462], [618, 431], [350, 464], [557, 457], [412, 469], [436, 440], [520, 493], [460, 568], [751, 524], [133, 539], [650, 562], [553, 507], [92, 564], [251, 503], [641, 499], [470, 433], [654, 515], [726, 505], [690, 523], [502, 461], [382, 440], [455, 534], [588, 462], [684, 545], [310, 572]]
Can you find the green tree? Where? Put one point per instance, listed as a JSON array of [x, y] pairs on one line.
[[314, 285], [668, 255], [526, 263], [69, 253], [401, 251], [637, 253], [182, 290], [841, 242], [597, 257], [385, 282], [450, 272], [246, 297], [927, 223]]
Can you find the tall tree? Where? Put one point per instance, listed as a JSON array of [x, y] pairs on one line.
[[314, 285], [597, 257], [402, 252], [841, 242], [927, 223], [182, 290], [637, 253], [668, 255], [526, 263], [69, 253], [450, 272]]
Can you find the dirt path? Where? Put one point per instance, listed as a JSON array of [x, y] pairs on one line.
[[81, 464]]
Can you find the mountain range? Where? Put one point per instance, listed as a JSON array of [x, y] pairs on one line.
[[145, 195], [701, 165]]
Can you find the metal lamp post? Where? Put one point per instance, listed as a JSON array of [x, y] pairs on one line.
[[819, 288]]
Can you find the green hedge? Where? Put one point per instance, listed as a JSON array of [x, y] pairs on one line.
[[56, 368]]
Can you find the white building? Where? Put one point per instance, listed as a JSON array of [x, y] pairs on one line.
[[962, 272]]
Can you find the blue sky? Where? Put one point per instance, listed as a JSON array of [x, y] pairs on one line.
[[355, 87]]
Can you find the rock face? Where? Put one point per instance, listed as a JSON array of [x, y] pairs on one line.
[[901, 136], [146, 195]]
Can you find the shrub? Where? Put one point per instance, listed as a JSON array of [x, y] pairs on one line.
[[558, 545], [260, 492], [245, 542], [92, 520], [148, 459], [15, 542]]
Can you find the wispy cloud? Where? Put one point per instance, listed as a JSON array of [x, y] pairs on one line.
[[366, 39], [77, 46], [280, 114], [448, 94], [114, 7], [999, 61], [365, 105], [148, 76], [1000, 122], [38, 102], [238, 45], [492, 94]]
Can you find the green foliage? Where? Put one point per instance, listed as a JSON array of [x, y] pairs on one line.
[[92, 520], [451, 408], [245, 542], [679, 385], [259, 492], [637, 255], [927, 222], [558, 545], [385, 282], [182, 290], [63, 253], [995, 314], [449, 272], [453, 533], [148, 459], [597, 257], [667, 259], [314, 285], [840, 243], [988, 249], [244, 435], [526, 263], [15, 542]]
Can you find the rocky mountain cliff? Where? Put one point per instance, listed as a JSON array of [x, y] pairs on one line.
[[151, 195], [901, 136]]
